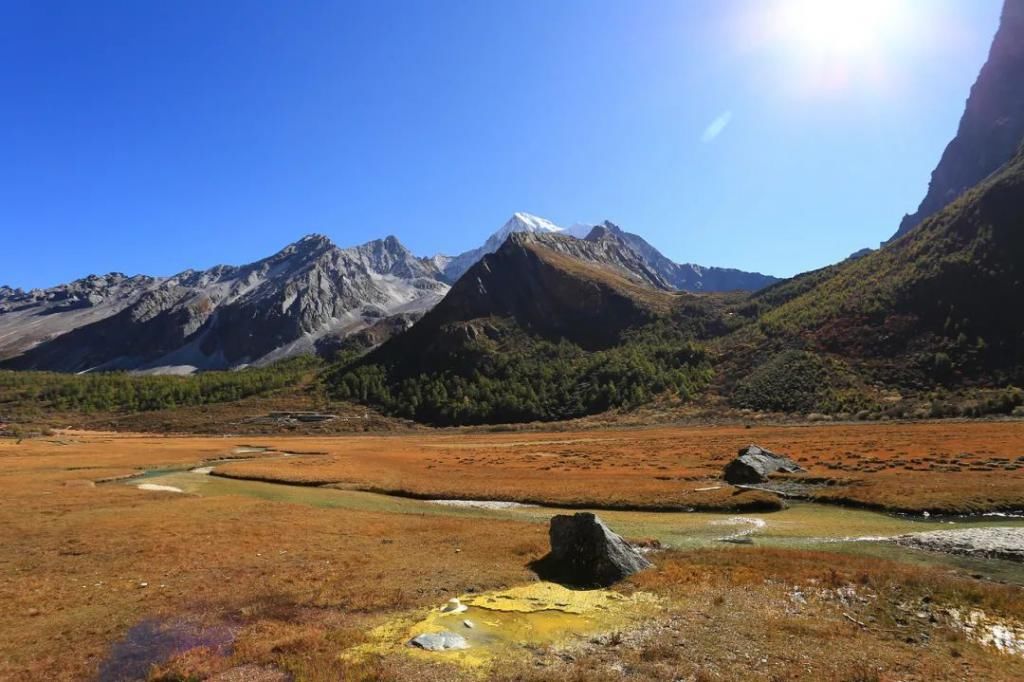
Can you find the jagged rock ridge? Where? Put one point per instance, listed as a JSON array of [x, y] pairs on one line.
[[680, 276], [689, 276], [223, 317]]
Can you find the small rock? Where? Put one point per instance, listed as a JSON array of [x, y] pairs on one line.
[[454, 606], [141, 585], [440, 641], [32, 612], [469, 624]]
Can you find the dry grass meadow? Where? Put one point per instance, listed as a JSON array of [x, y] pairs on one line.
[[297, 586], [936, 466]]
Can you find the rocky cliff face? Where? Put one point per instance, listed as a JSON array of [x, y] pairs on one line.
[[992, 126], [218, 318]]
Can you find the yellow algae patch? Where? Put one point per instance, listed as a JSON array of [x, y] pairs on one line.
[[543, 596], [497, 624]]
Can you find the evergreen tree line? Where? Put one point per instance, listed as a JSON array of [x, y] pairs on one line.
[[532, 379], [120, 391]]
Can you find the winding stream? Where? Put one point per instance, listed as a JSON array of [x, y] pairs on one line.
[[803, 525]]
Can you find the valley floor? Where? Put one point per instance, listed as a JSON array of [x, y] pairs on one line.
[[250, 579]]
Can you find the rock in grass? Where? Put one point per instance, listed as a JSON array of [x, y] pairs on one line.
[[585, 552], [440, 641], [755, 464]]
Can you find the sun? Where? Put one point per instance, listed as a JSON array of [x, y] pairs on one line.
[[843, 29], [830, 47]]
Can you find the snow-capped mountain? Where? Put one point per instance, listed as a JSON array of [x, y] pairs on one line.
[[223, 317], [682, 276], [456, 266], [308, 297]]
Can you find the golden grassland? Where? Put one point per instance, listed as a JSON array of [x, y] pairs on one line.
[[301, 585], [293, 578], [936, 466]]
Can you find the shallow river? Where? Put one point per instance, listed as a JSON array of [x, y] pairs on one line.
[[803, 524]]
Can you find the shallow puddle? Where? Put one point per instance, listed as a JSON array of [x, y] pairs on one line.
[[156, 641]]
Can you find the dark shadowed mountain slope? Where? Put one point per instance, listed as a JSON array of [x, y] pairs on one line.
[[223, 317], [586, 291], [547, 327], [992, 125]]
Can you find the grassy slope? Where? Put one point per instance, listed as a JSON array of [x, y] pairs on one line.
[[946, 287]]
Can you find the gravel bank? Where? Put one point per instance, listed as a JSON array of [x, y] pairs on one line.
[[993, 543]]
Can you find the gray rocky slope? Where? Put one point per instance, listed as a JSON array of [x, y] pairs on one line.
[[690, 276], [223, 317]]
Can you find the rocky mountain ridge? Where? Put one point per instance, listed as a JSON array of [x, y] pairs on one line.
[[227, 316], [306, 298], [690, 276], [680, 276]]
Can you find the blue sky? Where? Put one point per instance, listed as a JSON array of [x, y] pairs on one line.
[[150, 137]]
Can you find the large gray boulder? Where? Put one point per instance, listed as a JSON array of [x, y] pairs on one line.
[[585, 552], [755, 464]]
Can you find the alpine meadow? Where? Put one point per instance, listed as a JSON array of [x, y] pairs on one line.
[[693, 425]]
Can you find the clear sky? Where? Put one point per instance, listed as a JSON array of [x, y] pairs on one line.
[[770, 135]]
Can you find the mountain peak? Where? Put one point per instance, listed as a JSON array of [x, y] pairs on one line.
[[526, 222], [604, 230], [389, 244], [520, 223], [315, 239]]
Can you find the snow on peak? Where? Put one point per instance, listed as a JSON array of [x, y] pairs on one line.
[[520, 222], [525, 222]]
